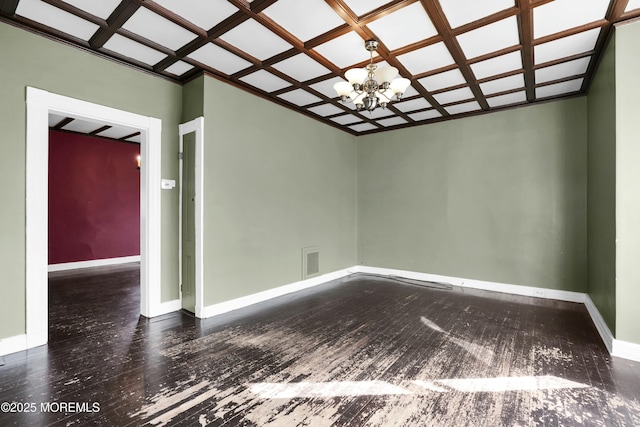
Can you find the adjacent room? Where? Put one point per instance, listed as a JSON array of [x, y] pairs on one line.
[[94, 194], [329, 212]]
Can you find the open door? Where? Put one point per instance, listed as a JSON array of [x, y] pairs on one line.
[[191, 178], [189, 223]]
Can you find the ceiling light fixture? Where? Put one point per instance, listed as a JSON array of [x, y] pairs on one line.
[[363, 88]]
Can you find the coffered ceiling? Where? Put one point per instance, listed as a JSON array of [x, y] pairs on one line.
[[463, 57], [93, 128]]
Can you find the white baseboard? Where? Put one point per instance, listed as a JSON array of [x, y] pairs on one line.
[[13, 344], [23, 342], [167, 307], [234, 304], [601, 325], [615, 347], [92, 263], [626, 350], [618, 348], [478, 284]]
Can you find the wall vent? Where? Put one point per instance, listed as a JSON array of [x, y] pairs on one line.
[[310, 262]]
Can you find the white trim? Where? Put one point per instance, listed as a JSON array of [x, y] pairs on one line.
[[197, 126], [234, 304], [615, 347], [168, 307], [180, 168], [37, 204], [601, 325], [13, 344], [626, 350], [478, 284], [151, 220], [92, 263], [39, 104]]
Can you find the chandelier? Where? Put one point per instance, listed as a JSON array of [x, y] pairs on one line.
[[371, 86]]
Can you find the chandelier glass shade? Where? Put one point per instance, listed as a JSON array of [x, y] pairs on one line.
[[371, 86]]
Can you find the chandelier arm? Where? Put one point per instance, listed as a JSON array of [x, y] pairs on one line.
[[381, 93]]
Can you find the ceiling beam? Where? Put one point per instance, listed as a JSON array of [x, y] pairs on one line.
[[297, 47], [119, 16], [129, 136], [383, 11], [616, 9], [62, 123], [525, 28], [564, 59], [601, 23], [442, 26], [77, 12], [487, 20], [614, 13], [212, 34], [258, 6], [146, 42], [100, 129], [8, 7], [561, 80], [174, 17]]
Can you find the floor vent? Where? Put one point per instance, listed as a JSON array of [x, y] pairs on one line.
[[310, 262]]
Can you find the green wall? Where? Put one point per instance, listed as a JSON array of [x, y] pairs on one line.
[[499, 197], [275, 182], [613, 182], [627, 71], [31, 60], [193, 99], [601, 184]]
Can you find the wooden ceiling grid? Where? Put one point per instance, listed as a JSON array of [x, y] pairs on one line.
[[61, 124], [463, 96]]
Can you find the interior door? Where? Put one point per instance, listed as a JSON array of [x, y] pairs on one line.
[[191, 268], [188, 222]]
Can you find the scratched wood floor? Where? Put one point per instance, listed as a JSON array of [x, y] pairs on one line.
[[358, 351]]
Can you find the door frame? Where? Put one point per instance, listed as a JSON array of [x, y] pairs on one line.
[[39, 104], [197, 126]]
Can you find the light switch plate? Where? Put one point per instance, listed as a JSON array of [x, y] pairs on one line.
[[168, 184]]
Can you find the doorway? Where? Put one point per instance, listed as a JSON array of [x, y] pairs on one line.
[[39, 105], [191, 215], [94, 194]]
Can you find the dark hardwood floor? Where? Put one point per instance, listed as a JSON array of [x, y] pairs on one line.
[[358, 351]]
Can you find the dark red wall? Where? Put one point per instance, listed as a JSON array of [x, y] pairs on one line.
[[94, 198]]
